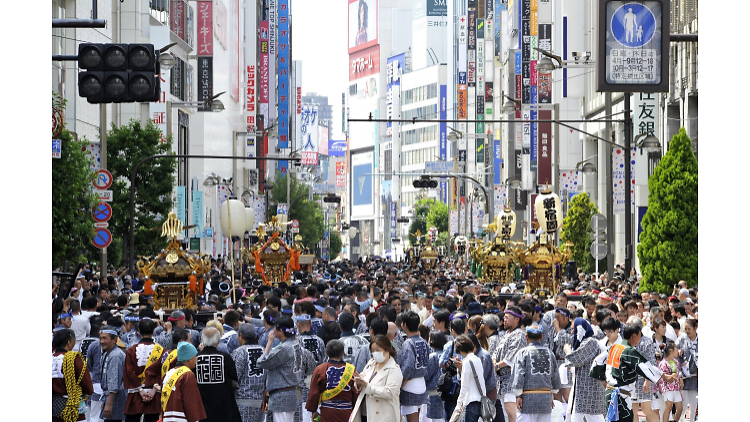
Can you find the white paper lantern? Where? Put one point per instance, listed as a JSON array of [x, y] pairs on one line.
[[352, 232], [506, 226], [548, 211], [236, 210], [282, 218], [249, 219]]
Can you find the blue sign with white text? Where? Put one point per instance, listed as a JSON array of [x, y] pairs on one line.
[[443, 140]]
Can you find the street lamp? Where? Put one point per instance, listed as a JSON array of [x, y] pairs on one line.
[[511, 105], [650, 143], [455, 134], [585, 166], [513, 182]]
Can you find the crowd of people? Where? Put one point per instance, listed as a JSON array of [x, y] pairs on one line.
[[375, 340]]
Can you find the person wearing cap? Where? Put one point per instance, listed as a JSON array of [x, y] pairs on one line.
[[250, 378], [180, 399], [113, 366], [534, 378], [586, 398], [509, 345], [139, 356], [317, 320], [216, 373], [284, 370]]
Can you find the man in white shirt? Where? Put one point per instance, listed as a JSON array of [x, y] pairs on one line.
[[80, 324]]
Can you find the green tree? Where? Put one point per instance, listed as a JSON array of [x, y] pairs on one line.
[[335, 245], [668, 249], [154, 187], [72, 199], [308, 213], [438, 217], [577, 229], [419, 220]]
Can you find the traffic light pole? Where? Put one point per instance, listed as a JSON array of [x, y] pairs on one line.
[[103, 166]]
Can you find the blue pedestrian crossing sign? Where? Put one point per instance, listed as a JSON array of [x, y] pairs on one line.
[[633, 25], [633, 36], [56, 148]]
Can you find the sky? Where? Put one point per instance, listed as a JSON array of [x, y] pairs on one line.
[[319, 40]]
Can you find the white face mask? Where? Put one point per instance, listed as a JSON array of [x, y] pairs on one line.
[[379, 357]]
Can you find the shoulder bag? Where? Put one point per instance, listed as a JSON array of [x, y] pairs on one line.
[[488, 407]]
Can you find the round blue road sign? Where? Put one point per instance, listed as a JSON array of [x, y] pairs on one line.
[[633, 25], [102, 238], [102, 212]]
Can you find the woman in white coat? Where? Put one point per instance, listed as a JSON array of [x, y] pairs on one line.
[[379, 385]]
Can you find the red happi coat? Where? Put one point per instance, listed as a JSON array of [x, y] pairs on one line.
[[339, 407], [135, 404], [87, 385], [185, 404]]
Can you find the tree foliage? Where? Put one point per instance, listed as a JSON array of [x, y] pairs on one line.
[[668, 249], [419, 220], [308, 213], [577, 229], [428, 213], [72, 198], [154, 186], [335, 245]]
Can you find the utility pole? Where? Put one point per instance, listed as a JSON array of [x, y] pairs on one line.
[[103, 166]]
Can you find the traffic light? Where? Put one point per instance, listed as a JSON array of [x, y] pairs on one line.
[[425, 182], [118, 73], [332, 198]]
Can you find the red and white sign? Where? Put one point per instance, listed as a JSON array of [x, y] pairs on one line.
[[102, 212], [177, 18], [205, 33], [309, 158], [340, 174], [364, 63], [250, 98], [103, 179]]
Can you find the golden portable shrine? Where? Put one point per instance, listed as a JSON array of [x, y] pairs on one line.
[[272, 259], [174, 276], [540, 263]]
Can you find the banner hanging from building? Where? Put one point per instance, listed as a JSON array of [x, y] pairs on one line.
[[309, 135]]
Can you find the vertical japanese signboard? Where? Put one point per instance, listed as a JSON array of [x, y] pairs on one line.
[[443, 139], [205, 51], [544, 168], [309, 135], [251, 58], [633, 37], [646, 120], [284, 81]]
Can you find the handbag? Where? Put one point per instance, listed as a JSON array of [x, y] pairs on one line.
[[487, 411], [458, 414]]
